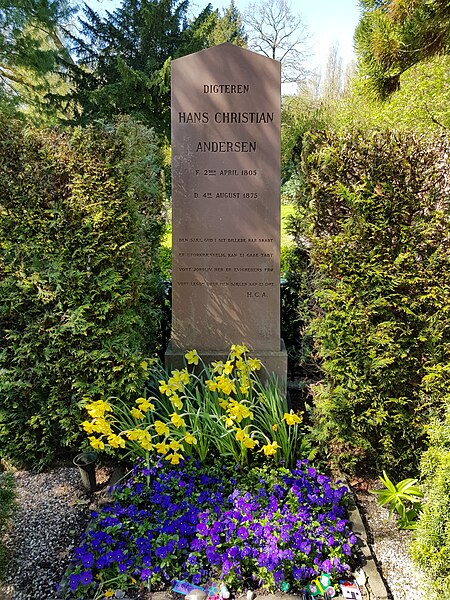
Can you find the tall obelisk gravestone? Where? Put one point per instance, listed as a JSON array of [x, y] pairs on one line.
[[226, 206]]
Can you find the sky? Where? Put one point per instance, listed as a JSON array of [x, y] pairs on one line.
[[328, 21]]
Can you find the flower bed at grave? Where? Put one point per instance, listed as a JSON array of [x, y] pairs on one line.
[[259, 527], [221, 409]]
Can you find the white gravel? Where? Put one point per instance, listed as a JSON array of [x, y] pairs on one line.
[[54, 511], [390, 546]]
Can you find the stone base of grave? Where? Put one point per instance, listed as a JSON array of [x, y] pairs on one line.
[[274, 361]]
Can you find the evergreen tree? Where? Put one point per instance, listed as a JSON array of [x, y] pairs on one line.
[[394, 35], [124, 58], [229, 28], [33, 49]]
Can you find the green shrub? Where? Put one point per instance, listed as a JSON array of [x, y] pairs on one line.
[[7, 505], [431, 544], [79, 231], [376, 213]]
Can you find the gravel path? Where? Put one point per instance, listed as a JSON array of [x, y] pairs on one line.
[[54, 511], [389, 546]]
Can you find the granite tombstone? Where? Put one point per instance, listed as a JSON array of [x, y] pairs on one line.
[[226, 206]]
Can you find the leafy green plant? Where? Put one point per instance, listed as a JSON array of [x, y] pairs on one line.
[[430, 548], [7, 506], [403, 498], [297, 312]]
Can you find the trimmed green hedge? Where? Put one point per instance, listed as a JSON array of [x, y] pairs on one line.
[[80, 225], [431, 543], [376, 214]]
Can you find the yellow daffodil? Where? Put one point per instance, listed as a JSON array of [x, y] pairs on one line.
[[144, 405], [241, 365], [96, 443], [177, 420], [161, 428], [153, 360], [162, 448], [291, 419], [174, 458], [239, 411], [227, 386], [274, 427], [137, 414], [108, 593], [88, 426], [217, 367], [223, 403], [192, 357], [133, 434], [176, 401], [240, 435], [98, 408], [190, 439], [165, 388], [229, 422], [254, 364], [146, 443], [144, 365], [211, 385], [141, 436], [115, 441], [181, 377], [101, 425], [174, 445], [184, 376], [228, 368], [270, 448], [250, 442], [175, 384], [237, 351], [244, 389]]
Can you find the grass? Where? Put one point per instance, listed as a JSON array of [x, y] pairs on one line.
[[7, 505]]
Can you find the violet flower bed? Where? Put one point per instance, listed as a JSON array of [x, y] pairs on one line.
[[268, 528]]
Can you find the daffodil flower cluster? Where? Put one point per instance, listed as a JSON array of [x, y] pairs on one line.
[[145, 433], [221, 408]]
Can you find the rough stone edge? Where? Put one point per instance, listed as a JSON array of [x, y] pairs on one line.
[[375, 584]]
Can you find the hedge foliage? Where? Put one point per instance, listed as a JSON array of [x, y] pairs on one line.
[[80, 225], [431, 544], [375, 210]]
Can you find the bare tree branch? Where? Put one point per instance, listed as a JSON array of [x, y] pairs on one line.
[[278, 33]]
